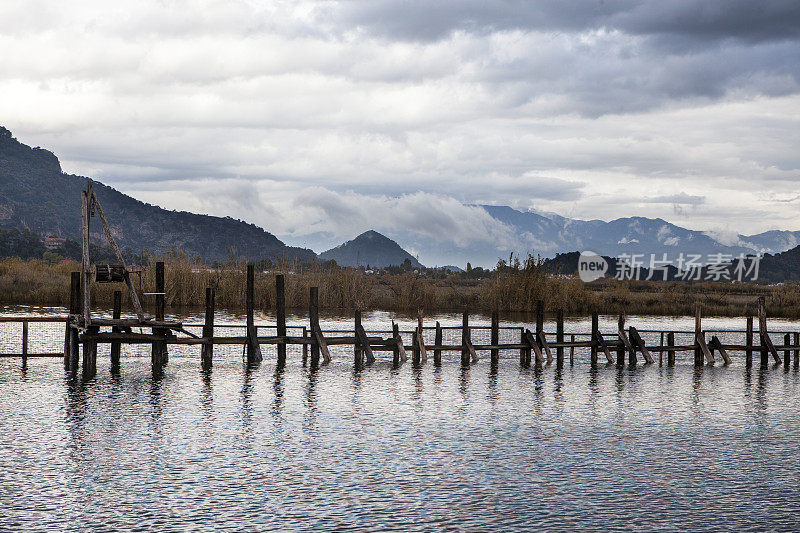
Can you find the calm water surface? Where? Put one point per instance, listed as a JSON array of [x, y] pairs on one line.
[[430, 449]]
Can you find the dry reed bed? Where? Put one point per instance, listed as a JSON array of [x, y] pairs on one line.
[[514, 288]]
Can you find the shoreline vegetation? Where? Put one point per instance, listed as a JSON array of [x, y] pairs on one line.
[[512, 287]]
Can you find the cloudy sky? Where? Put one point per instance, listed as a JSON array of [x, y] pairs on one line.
[[341, 116]]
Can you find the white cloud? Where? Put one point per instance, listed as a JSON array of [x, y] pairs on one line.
[[310, 109]]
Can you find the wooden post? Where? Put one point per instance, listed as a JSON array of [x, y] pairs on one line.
[[661, 353], [423, 352], [71, 341], [207, 349], [358, 352], [437, 353], [797, 350], [524, 353], [116, 314], [362, 344], [595, 335], [572, 350], [415, 349], [560, 338], [539, 317], [495, 338], [621, 347], [90, 354], [671, 353], [280, 315], [24, 344], [159, 348], [787, 356], [762, 331], [305, 346], [85, 266], [698, 331], [253, 348], [313, 318], [465, 337], [395, 346], [748, 340]]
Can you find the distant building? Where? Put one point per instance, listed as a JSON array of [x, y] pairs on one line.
[[52, 243]]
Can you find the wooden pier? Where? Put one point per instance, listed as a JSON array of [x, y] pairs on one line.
[[625, 346]]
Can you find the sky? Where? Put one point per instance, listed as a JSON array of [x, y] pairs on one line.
[[341, 116]]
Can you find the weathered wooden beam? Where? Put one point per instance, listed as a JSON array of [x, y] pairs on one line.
[[749, 343], [700, 341], [599, 341], [542, 340], [716, 344], [535, 347], [639, 343], [767, 346], [628, 346], [364, 343]]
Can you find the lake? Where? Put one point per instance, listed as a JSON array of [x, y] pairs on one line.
[[429, 449]]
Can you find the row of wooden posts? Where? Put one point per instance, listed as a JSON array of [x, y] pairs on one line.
[[534, 347]]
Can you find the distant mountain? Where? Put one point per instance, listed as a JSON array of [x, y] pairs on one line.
[[370, 248], [771, 241], [784, 266], [36, 195]]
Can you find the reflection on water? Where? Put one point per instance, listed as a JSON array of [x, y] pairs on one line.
[[435, 448]]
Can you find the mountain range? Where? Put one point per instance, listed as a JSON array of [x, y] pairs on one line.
[[36, 195]]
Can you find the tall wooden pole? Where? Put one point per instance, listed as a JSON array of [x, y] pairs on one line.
[[465, 338], [495, 338], [85, 266], [595, 335], [560, 338], [748, 340], [437, 353], [115, 345], [207, 349], [253, 348], [313, 318], [159, 348], [762, 331], [280, 315], [698, 331]]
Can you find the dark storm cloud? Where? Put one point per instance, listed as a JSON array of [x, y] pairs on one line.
[[697, 19]]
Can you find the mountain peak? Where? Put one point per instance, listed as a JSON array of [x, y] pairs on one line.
[[370, 248]]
